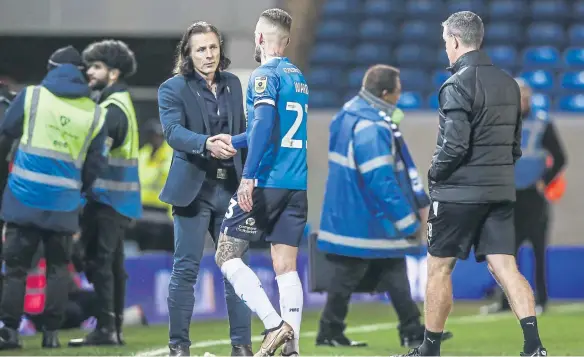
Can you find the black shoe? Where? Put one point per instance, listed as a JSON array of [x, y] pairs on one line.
[[51, 339], [179, 350], [338, 341], [539, 352], [414, 339], [412, 352], [97, 337], [241, 350], [9, 339]]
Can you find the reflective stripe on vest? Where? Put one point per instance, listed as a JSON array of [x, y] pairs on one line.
[[47, 168], [118, 186]]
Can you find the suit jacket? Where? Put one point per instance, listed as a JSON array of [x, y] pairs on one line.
[[185, 123]]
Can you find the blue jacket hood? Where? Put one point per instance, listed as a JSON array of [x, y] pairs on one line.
[[66, 81]]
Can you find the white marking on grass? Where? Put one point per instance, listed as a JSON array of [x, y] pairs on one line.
[[456, 320]]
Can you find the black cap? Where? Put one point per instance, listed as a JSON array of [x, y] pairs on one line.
[[66, 55]]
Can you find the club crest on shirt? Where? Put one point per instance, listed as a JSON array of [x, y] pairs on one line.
[[260, 84]]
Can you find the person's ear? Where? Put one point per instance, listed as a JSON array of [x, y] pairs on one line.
[[456, 43]]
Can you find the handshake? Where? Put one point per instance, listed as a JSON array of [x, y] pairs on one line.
[[220, 146]]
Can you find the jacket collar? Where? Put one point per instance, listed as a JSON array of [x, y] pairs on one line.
[[376, 102], [472, 58], [119, 86]]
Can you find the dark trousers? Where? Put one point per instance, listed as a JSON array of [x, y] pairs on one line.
[[80, 306], [20, 247], [349, 272], [102, 233], [191, 225], [531, 225]]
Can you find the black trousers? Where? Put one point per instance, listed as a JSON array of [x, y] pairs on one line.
[[20, 247], [348, 273], [531, 225], [102, 234], [80, 306]]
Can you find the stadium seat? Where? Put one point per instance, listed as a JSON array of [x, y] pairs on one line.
[[503, 33], [553, 10], [541, 81], [410, 101], [371, 53], [334, 30], [542, 57], [339, 8], [442, 59], [386, 9], [572, 81], [377, 30], [546, 33], [355, 78], [324, 99], [574, 57], [322, 77], [507, 10], [413, 80], [414, 56], [571, 103], [576, 35], [503, 56], [476, 6], [421, 32], [541, 101], [440, 77], [577, 10], [424, 9], [433, 101], [328, 53]]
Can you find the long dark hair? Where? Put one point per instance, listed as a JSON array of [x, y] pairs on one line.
[[184, 64]]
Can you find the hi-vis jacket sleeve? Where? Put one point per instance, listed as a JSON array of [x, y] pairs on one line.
[[372, 147]]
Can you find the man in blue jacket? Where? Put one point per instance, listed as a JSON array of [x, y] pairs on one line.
[[60, 154], [373, 205]]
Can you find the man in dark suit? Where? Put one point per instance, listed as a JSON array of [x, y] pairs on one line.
[[200, 107]]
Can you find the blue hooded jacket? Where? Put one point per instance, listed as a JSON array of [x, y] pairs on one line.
[[366, 213], [63, 81]]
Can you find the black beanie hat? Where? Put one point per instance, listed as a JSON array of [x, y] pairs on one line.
[[65, 55]]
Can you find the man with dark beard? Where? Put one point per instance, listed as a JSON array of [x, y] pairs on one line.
[[115, 198]]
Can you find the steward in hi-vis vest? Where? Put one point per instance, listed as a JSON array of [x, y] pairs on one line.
[[60, 153], [115, 197]]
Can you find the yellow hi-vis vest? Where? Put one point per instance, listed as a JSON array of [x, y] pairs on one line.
[[119, 185], [153, 173], [56, 136]]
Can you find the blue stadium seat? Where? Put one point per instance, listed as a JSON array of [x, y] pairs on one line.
[[413, 80], [542, 57], [377, 30], [576, 35], [572, 81], [439, 77], [433, 101], [503, 33], [540, 80], [387, 9], [355, 78], [410, 101], [334, 30], [476, 6], [572, 103], [507, 10], [574, 57], [553, 10], [371, 53], [424, 9], [338, 8], [503, 56], [540, 101], [322, 77], [328, 53], [577, 10], [324, 99], [414, 56], [421, 31], [546, 33]]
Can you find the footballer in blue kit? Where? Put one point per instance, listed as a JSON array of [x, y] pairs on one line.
[[271, 202]]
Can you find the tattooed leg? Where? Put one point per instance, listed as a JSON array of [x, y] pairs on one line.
[[229, 248]]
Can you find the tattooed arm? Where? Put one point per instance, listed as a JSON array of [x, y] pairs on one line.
[[229, 248]]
